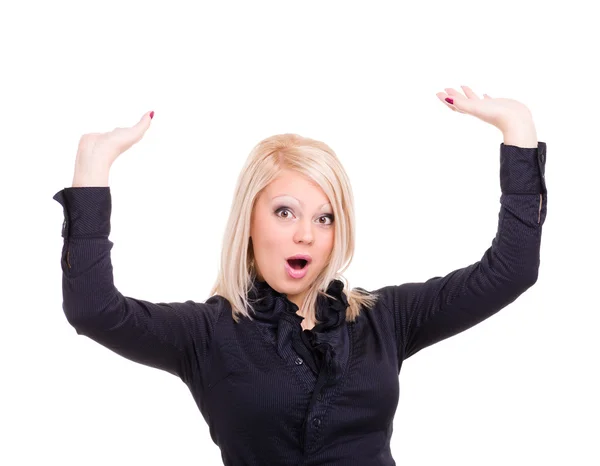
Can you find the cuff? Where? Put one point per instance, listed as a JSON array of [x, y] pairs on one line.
[[522, 169], [86, 209]]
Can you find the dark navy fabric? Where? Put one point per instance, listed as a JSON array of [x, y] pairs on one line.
[[271, 392]]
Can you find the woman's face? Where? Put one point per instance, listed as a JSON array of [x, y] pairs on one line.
[[291, 216]]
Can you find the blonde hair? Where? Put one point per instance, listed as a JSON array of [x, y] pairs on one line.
[[318, 162]]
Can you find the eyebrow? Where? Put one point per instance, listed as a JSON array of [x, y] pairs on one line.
[[299, 201]]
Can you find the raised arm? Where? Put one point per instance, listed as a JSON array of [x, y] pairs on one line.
[[174, 337], [427, 312]]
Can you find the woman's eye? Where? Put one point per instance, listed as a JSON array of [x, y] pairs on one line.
[[283, 209], [330, 217]]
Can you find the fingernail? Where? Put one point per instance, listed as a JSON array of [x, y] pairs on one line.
[[449, 100], [152, 114]]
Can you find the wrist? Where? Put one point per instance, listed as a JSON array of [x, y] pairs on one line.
[[88, 175], [522, 134], [81, 180]]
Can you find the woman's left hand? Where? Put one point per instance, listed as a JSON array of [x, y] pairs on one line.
[[502, 113]]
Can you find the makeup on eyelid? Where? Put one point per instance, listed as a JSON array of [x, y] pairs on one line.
[[293, 200]]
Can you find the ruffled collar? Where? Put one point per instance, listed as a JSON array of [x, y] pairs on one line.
[[271, 305]]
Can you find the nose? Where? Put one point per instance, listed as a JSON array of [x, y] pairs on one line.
[[304, 233]]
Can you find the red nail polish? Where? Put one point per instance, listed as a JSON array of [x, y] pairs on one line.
[[449, 100], [152, 114]]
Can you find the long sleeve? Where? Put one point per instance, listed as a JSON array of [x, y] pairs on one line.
[[427, 312], [174, 337]]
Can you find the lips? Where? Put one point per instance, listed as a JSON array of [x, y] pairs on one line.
[[297, 265]]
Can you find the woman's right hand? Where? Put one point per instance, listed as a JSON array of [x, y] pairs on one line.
[[97, 152]]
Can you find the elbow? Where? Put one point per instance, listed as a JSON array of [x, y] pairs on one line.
[[86, 317], [78, 319], [526, 281]]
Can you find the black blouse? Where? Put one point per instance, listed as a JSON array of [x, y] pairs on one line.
[[271, 392]]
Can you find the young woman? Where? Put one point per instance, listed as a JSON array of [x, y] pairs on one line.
[[286, 364]]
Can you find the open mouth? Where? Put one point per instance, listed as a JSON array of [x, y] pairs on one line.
[[297, 264]]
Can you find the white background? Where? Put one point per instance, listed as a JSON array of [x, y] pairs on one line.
[[520, 388]]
